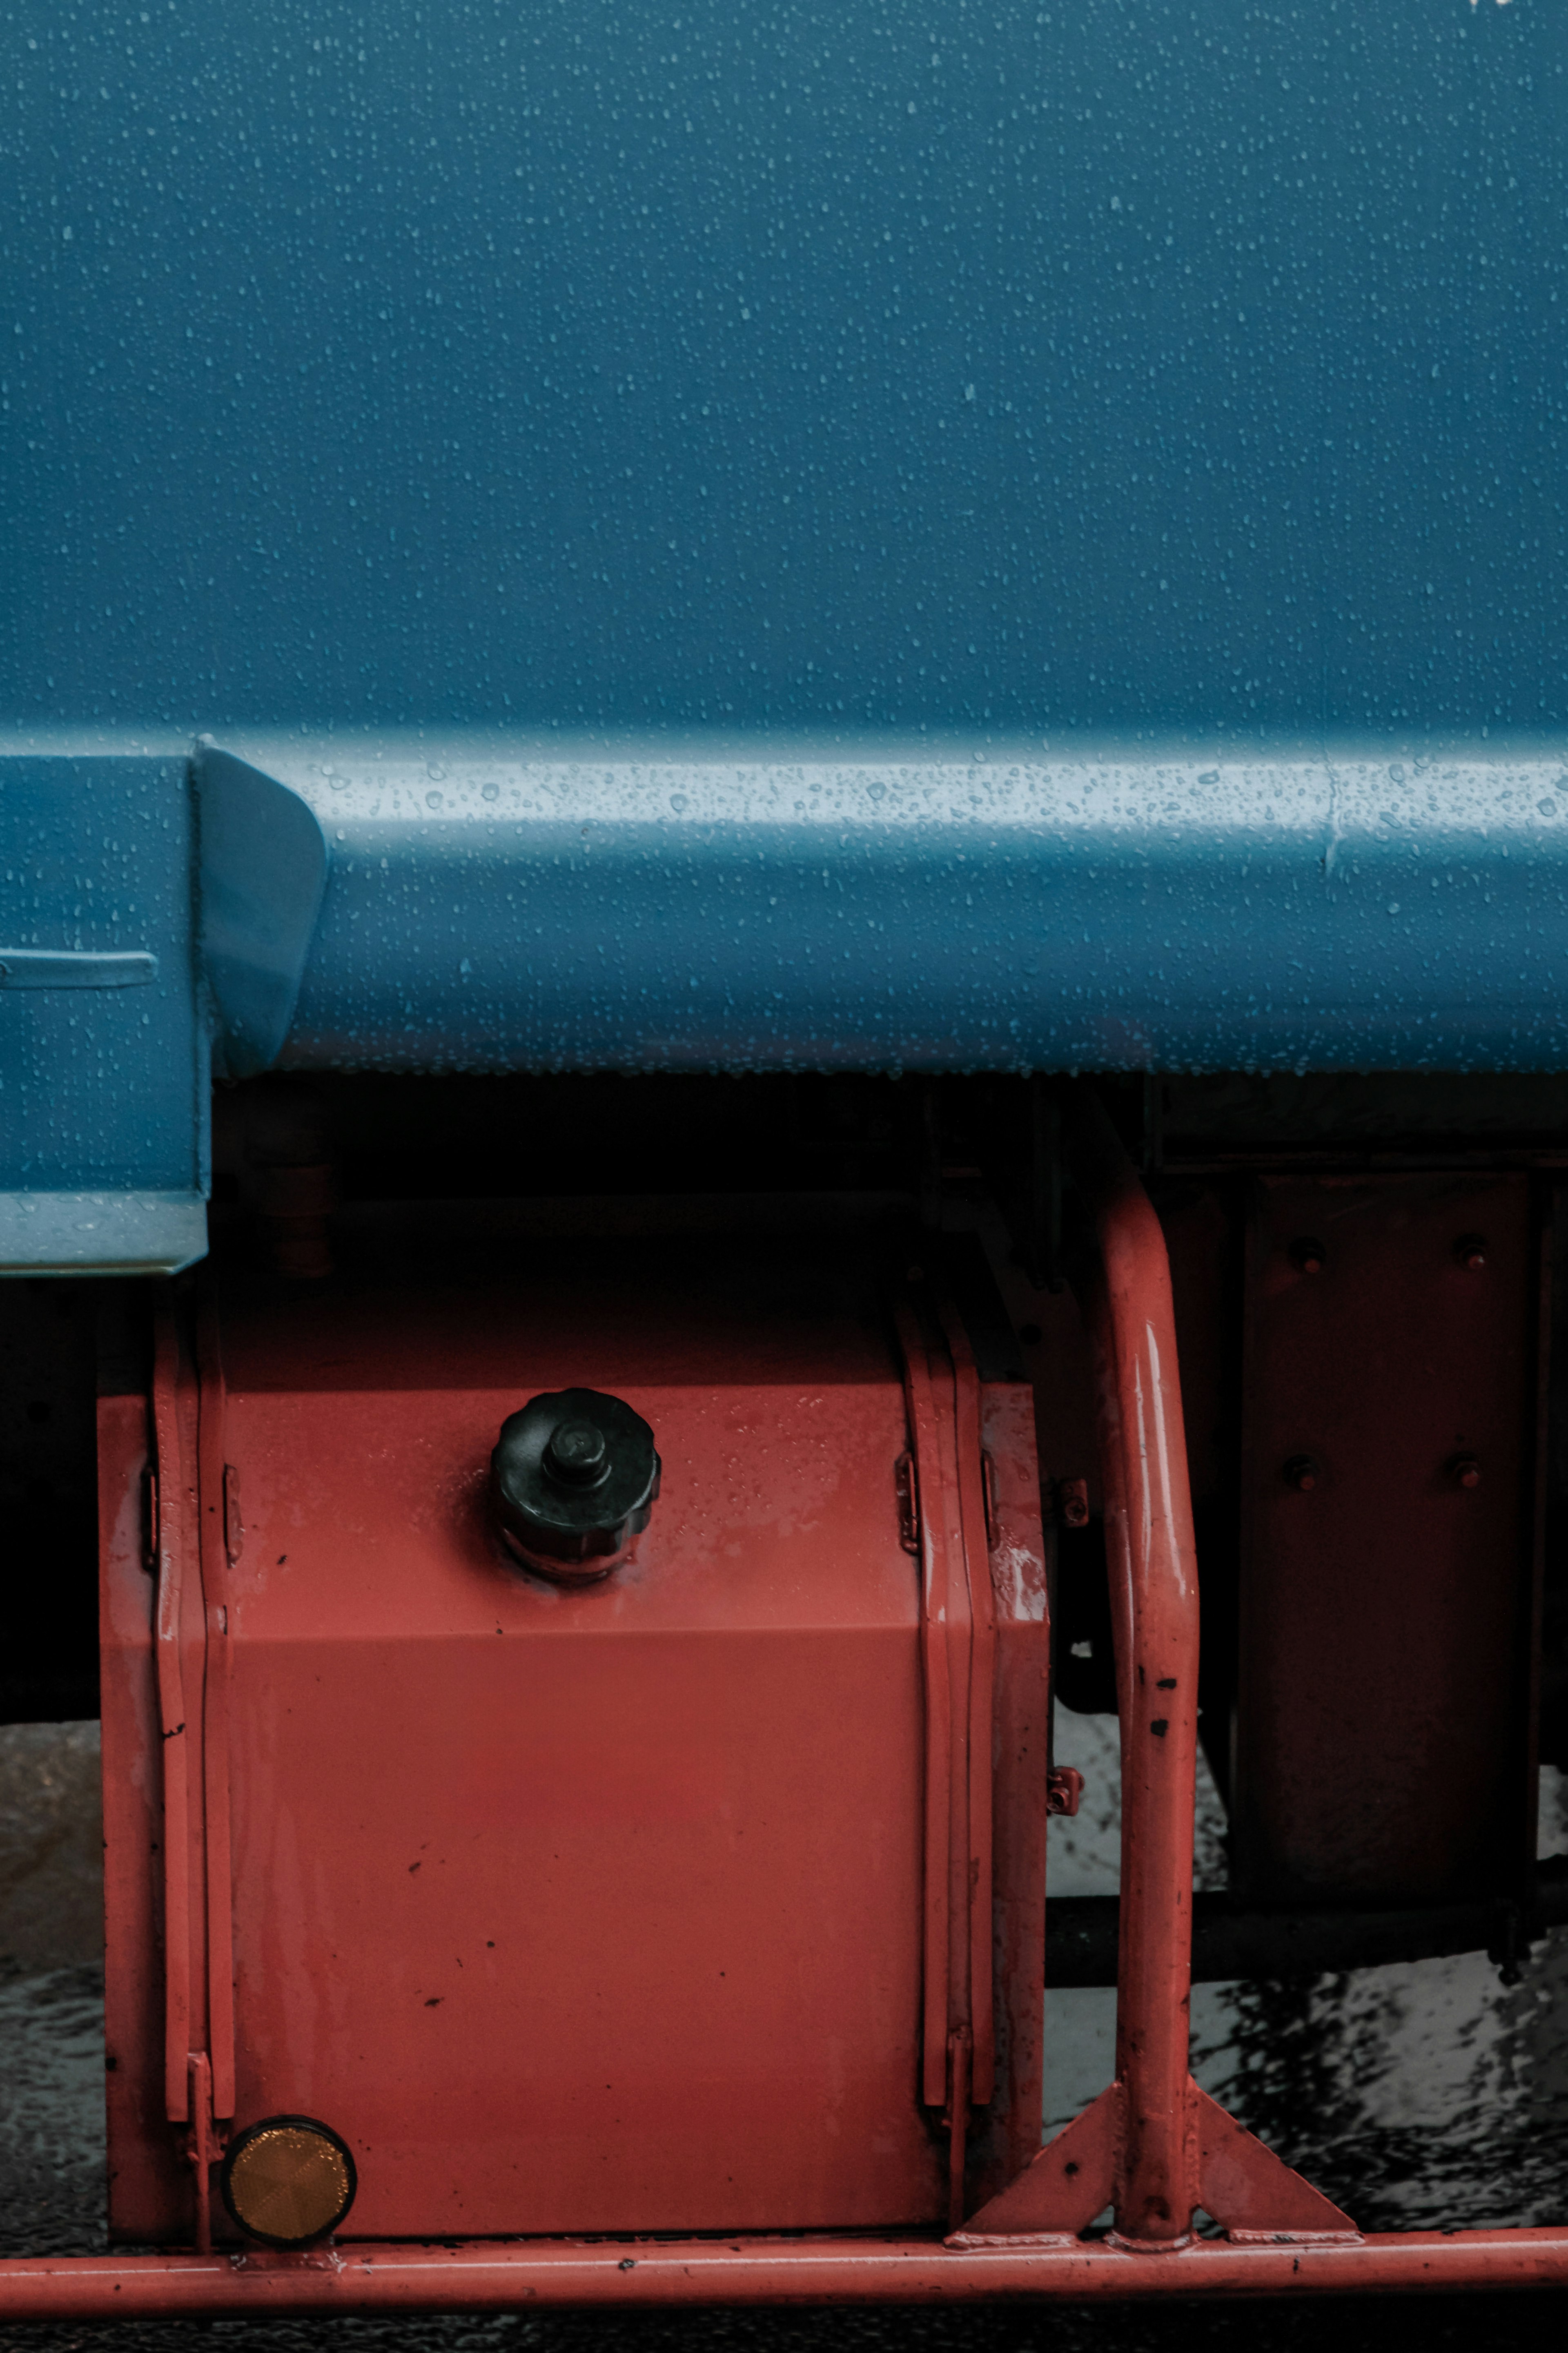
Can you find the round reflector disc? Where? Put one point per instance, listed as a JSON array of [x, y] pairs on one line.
[[288, 2180]]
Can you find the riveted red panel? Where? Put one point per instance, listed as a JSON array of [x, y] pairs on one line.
[[1380, 1741]]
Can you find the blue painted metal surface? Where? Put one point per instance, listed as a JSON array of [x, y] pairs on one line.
[[1115, 365], [103, 1043], [1094, 461]]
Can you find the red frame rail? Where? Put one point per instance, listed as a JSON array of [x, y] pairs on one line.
[[491, 2278], [1154, 2146]]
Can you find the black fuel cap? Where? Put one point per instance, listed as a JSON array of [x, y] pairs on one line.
[[573, 1480]]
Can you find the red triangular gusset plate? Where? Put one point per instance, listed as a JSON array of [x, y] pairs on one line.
[[1060, 2191], [1250, 2192]]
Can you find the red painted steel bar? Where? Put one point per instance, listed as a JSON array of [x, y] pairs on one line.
[[211, 1556], [1177, 2147], [1154, 2146], [170, 1537], [1151, 1557], [483, 2277], [940, 1543]]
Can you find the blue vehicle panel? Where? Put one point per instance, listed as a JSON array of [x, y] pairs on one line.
[[878, 541], [1112, 368]]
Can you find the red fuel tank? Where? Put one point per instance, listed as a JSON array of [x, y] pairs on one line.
[[670, 1901]]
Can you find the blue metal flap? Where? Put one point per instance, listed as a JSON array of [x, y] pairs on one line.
[[263, 870], [103, 1053]]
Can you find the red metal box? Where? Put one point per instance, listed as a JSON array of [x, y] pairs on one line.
[[572, 1910]]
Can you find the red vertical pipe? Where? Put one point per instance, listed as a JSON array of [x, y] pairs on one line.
[[1154, 2144], [213, 1559], [1154, 1598], [172, 1535], [935, 1540], [970, 1471]]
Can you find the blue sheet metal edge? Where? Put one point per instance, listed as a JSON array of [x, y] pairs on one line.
[[485, 904], [101, 1233], [878, 907]]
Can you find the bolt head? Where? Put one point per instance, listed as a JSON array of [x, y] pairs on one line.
[[576, 1452], [1470, 1251], [1308, 1255], [1302, 1472]]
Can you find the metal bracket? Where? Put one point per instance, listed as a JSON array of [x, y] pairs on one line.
[[947, 1486], [204, 2143], [191, 1643]]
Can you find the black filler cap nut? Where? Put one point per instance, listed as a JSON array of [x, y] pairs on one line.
[[573, 1480]]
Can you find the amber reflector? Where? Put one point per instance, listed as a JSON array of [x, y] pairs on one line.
[[288, 2180]]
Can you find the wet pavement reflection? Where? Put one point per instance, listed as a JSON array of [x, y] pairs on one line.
[[1422, 2096]]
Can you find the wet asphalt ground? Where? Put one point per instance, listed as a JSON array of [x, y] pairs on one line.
[[52, 2160]]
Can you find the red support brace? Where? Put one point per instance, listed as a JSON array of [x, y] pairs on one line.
[[1154, 2146]]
